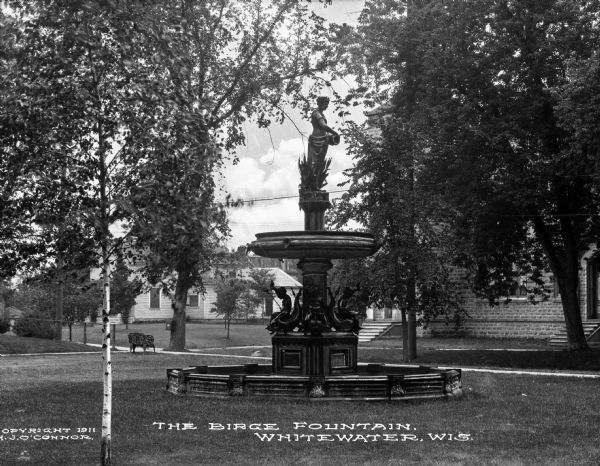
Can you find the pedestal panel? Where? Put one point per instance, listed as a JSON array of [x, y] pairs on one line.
[[327, 354]]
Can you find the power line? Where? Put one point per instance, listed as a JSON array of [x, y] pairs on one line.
[[485, 214], [286, 196]]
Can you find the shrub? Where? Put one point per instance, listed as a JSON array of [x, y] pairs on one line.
[[34, 327], [4, 325]]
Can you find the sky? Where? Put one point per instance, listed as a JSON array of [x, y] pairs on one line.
[[268, 163]]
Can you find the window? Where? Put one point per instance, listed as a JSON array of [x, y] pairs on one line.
[[154, 298], [519, 289], [554, 285], [192, 300]]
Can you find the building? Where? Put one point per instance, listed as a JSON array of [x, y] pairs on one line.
[[154, 305], [517, 317], [289, 266]]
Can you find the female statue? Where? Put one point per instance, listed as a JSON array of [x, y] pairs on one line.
[[322, 135]]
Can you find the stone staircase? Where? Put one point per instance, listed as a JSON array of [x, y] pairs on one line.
[[372, 329], [560, 339]]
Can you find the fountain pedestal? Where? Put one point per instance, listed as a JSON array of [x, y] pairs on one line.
[[331, 353], [315, 350], [314, 204]]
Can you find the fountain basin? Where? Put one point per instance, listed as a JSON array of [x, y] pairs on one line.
[[315, 244], [373, 382]]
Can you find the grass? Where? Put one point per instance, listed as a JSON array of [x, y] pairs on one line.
[[513, 359], [510, 419], [10, 344], [198, 336], [246, 340], [458, 343]]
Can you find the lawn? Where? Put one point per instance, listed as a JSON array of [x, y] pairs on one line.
[[14, 345], [513, 359], [205, 335], [254, 340], [502, 419]]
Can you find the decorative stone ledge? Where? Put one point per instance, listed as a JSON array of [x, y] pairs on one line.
[[376, 382]]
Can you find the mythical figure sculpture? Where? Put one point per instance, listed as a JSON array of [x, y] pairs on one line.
[[314, 321], [286, 319], [342, 317]]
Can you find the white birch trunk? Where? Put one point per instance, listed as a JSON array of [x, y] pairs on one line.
[[107, 369]]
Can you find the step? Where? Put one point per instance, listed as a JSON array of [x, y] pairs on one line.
[[561, 340], [371, 330]]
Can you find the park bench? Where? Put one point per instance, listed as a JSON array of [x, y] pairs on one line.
[[140, 339]]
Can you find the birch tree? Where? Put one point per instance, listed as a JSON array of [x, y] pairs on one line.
[[65, 106]]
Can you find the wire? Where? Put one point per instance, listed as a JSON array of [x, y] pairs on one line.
[[286, 196]]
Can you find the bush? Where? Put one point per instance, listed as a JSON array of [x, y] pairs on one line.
[[4, 325], [34, 327]]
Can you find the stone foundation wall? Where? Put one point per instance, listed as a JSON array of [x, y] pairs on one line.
[[497, 329], [515, 318]]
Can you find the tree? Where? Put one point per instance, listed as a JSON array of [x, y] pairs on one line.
[[229, 293], [240, 297], [81, 299], [212, 66], [259, 292], [67, 97], [5, 297], [387, 185], [385, 196], [124, 290], [86, 83], [495, 90]]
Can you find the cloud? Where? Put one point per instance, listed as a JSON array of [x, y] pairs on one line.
[[263, 216], [269, 176]]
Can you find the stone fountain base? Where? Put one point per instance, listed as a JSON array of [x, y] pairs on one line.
[[377, 382], [322, 367]]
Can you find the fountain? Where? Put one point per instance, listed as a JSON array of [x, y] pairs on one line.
[[315, 337]]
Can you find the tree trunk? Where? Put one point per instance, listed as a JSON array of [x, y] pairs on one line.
[[177, 341], [571, 310], [59, 308], [104, 231], [4, 308], [107, 375], [566, 272], [405, 352], [412, 335], [412, 316]]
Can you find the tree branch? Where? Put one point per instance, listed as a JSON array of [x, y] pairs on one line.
[[246, 62]]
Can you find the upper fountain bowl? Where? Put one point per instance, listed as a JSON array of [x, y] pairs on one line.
[[315, 244]]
